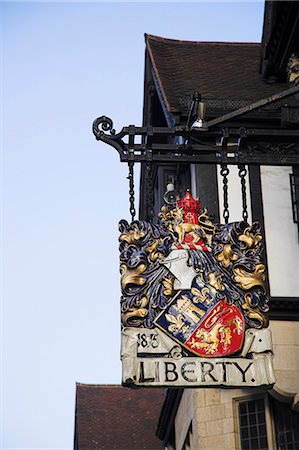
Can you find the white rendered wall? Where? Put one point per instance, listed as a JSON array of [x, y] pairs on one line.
[[281, 232], [234, 195]]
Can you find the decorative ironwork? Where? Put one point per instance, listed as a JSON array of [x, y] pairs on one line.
[[149, 195], [290, 115], [242, 175], [294, 181], [101, 125], [104, 124], [255, 146], [131, 190], [224, 173], [281, 152]]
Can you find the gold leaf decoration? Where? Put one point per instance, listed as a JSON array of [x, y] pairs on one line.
[[168, 285], [132, 276], [226, 256], [139, 312], [191, 229], [215, 281], [201, 296], [188, 309], [177, 323], [220, 334], [246, 280], [131, 236], [205, 221], [152, 250], [249, 238], [171, 218], [206, 224], [254, 313]]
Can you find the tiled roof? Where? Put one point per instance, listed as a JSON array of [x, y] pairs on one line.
[[115, 417], [226, 74]]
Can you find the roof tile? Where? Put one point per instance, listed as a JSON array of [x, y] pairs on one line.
[[226, 74], [114, 417]]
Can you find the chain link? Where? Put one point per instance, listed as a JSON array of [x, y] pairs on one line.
[[149, 191], [131, 189], [224, 173], [242, 175]]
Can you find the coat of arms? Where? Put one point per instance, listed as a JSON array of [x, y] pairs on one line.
[[193, 301]]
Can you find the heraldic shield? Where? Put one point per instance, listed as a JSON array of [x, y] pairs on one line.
[[193, 301]]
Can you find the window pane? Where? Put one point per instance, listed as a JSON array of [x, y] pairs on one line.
[[252, 407], [261, 417], [245, 444], [244, 433], [243, 421], [242, 408], [252, 419]]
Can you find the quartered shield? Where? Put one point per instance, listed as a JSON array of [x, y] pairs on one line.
[[214, 330]]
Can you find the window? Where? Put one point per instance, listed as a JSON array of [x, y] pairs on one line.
[[267, 424], [286, 426], [253, 430]]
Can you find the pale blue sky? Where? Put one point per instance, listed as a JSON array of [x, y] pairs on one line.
[[63, 193]]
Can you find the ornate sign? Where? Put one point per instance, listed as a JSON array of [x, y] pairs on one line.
[[193, 301]]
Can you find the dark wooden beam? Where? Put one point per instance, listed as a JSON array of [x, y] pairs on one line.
[[265, 101]]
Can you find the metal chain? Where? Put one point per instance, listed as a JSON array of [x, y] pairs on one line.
[[131, 189], [224, 173], [149, 191], [242, 175]]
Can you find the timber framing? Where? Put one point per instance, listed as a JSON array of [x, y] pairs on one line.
[[284, 308]]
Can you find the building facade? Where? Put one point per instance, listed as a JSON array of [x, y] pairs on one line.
[[244, 73]]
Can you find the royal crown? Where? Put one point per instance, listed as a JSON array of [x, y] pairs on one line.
[[190, 206]]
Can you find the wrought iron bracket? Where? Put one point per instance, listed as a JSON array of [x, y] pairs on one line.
[[221, 145]]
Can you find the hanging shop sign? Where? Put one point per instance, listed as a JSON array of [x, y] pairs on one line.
[[193, 301]]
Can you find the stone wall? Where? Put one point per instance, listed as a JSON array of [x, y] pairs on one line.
[[212, 411], [285, 337], [213, 416]]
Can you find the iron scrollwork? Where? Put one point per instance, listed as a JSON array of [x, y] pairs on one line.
[[280, 152], [281, 147], [104, 125]]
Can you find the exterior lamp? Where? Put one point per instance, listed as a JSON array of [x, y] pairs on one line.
[[199, 124], [171, 195]]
